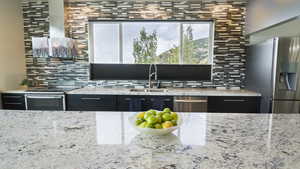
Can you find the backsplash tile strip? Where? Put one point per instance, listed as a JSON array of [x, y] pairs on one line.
[[229, 41]]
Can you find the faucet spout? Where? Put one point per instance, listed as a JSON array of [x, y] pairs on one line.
[[152, 74]]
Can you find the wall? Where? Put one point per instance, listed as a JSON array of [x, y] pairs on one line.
[[12, 60], [229, 43], [264, 13]]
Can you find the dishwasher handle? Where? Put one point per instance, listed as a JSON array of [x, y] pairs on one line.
[[44, 97], [191, 101], [234, 100], [91, 98]]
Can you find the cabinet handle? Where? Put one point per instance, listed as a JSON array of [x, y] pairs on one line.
[[13, 97], [14, 103], [237, 100], [86, 98], [129, 99]]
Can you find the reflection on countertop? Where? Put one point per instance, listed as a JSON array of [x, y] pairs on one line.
[[90, 140], [116, 129]]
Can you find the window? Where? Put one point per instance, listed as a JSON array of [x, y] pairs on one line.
[[159, 42], [106, 43]]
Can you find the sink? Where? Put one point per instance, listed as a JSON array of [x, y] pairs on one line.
[[148, 90]]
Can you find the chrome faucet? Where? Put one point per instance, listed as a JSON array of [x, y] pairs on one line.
[[152, 74]]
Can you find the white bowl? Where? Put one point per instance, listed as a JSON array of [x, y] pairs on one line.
[[155, 132]]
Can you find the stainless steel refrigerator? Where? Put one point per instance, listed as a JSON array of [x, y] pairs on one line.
[[272, 68]]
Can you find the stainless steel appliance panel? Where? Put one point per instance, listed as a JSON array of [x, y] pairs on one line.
[[190, 104], [285, 106], [45, 102], [259, 71], [287, 83]]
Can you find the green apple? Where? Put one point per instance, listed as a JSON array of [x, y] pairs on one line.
[[147, 115], [174, 116], [152, 112], [167, 117], [159, 118], [138, 121], [158, 126], [152, 119], [143, 124], [150, 125], [174, 122], [167, 124], [140, 115], [159, 114], [167, 110]]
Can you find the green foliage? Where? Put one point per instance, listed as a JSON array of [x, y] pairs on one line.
[[24, 82], [188, 45], [144, 47], [170, 57], [194, 51]]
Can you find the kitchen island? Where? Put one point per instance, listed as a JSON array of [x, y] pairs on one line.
[[106, 140]]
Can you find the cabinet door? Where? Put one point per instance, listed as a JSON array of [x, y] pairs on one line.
[[144, 103], [13, 101], [160, 102], [91, 102], [232, 104], [132, 103]]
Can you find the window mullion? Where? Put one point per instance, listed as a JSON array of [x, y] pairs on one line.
[[211, 42], [120, 43], [181, 53]]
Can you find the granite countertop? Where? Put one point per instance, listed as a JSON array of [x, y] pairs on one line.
[[14, 91], [105, 140], [170, 92]]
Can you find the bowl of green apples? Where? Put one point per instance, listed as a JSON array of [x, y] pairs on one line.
[[155, 122]]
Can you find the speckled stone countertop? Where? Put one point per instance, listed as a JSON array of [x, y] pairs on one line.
[[169, 92], [105, 140]]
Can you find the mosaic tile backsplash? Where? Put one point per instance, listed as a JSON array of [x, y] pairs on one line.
[[229, 41]]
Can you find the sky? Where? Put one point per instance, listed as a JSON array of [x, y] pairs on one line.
[[106, 38]]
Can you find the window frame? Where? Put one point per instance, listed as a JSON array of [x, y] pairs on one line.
[[181, 32]]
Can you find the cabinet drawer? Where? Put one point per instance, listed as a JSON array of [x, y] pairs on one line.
[[91, 102], [14, 106], [13, 101], [233, 104], [13, 98]]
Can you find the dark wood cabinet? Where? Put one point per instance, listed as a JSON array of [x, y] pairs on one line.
[[85, 102], [132, 103], [78, 102], [233, 104], [160, 102], [143, 103], [13, 101]]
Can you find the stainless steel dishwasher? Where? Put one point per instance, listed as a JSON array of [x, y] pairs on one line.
[[190, 104]]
